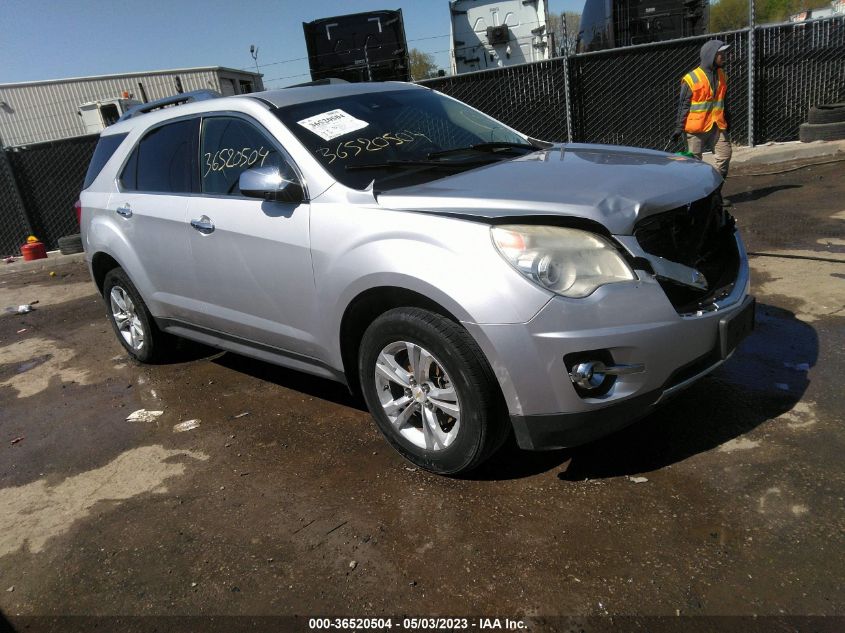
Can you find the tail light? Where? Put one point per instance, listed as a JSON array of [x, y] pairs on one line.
[[77, 206]]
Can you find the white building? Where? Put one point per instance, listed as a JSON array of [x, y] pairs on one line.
[[36, 111]]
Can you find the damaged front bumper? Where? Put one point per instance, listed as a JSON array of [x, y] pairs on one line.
[[621, 324]]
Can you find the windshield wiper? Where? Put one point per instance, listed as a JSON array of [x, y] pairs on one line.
[[483, 147], [435, 164]]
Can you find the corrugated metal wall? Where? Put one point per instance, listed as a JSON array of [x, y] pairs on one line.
[[32, 113]]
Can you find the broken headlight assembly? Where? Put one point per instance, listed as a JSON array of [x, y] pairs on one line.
[[569, 262]]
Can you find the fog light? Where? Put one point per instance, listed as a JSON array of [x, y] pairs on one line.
[[588, 375], [591, 374]]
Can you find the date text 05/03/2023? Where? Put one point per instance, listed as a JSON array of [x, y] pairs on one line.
[[417, 624]]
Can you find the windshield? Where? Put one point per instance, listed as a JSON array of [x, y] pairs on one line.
[[399, 137]]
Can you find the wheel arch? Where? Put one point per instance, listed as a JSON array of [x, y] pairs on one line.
[[365, 308], [101, 264]]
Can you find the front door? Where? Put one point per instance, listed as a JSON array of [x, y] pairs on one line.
[[251, 258]]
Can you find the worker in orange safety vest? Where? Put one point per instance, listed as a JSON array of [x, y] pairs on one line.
[[702, 109]]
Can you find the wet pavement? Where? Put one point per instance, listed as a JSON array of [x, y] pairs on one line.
[[285, 500]]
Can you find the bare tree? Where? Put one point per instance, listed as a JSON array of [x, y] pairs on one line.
[[565, 39]]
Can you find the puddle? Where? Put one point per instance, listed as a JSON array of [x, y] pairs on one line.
[[716, 534], [31, 364], [36, 512], [43, 360]]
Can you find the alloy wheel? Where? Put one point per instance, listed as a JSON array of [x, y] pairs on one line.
[[126, 318], [417, 395]]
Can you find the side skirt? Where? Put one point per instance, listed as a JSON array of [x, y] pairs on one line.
[[245, 347]]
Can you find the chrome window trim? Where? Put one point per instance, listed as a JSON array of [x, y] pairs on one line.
[[142, 135], [201, 116]]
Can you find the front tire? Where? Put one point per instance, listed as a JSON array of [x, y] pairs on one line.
[[431, 391], [131, 319]]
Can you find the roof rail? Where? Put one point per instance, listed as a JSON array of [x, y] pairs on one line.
[[328, 81], [185, 97]]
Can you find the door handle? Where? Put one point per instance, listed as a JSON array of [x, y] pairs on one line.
[[125, 211], [204, 225]]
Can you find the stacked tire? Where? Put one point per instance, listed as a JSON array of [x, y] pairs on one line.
[[70, 244], [824, 123]]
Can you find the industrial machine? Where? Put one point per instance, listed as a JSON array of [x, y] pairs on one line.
[[613, 23], [367, 46], [98, 115], [493, 34]]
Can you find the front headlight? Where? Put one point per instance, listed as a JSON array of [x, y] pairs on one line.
[[570, 262]]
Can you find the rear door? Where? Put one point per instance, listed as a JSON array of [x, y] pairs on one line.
[[150, 211], [251, 257]]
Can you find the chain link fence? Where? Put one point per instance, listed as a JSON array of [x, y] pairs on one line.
[[629, 96], [529, 98], [798, 65], [14, 225], [623, 96], [38, 188]]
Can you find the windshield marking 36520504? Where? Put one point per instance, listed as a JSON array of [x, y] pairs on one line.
[[350, 149], [405, 127]]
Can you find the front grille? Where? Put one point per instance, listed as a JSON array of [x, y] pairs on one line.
[[699, 235]]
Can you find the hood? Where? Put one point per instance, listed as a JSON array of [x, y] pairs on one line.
[[708, 53], [614, 186]]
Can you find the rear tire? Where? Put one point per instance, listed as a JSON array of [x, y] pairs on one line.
[[131, 319], [435, 398]]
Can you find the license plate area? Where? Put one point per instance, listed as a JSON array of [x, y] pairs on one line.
[[734, 328]]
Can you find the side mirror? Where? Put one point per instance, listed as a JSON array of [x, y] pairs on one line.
[[269, 183]]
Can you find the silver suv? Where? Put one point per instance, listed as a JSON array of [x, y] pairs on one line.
[[465, 278]]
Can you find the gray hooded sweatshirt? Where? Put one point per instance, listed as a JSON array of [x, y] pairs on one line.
[[708, 59]]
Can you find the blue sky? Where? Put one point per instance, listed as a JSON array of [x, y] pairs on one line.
[[41, 39]]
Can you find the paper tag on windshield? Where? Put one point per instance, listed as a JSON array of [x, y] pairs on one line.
[[332, 124]]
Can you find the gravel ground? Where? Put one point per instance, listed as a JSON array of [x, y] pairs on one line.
[[284, 500]]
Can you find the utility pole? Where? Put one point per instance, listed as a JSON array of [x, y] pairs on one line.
[[566, 94], [751, 40], [253, 50]]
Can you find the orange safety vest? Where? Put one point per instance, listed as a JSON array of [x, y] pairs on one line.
[[706, 109]]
